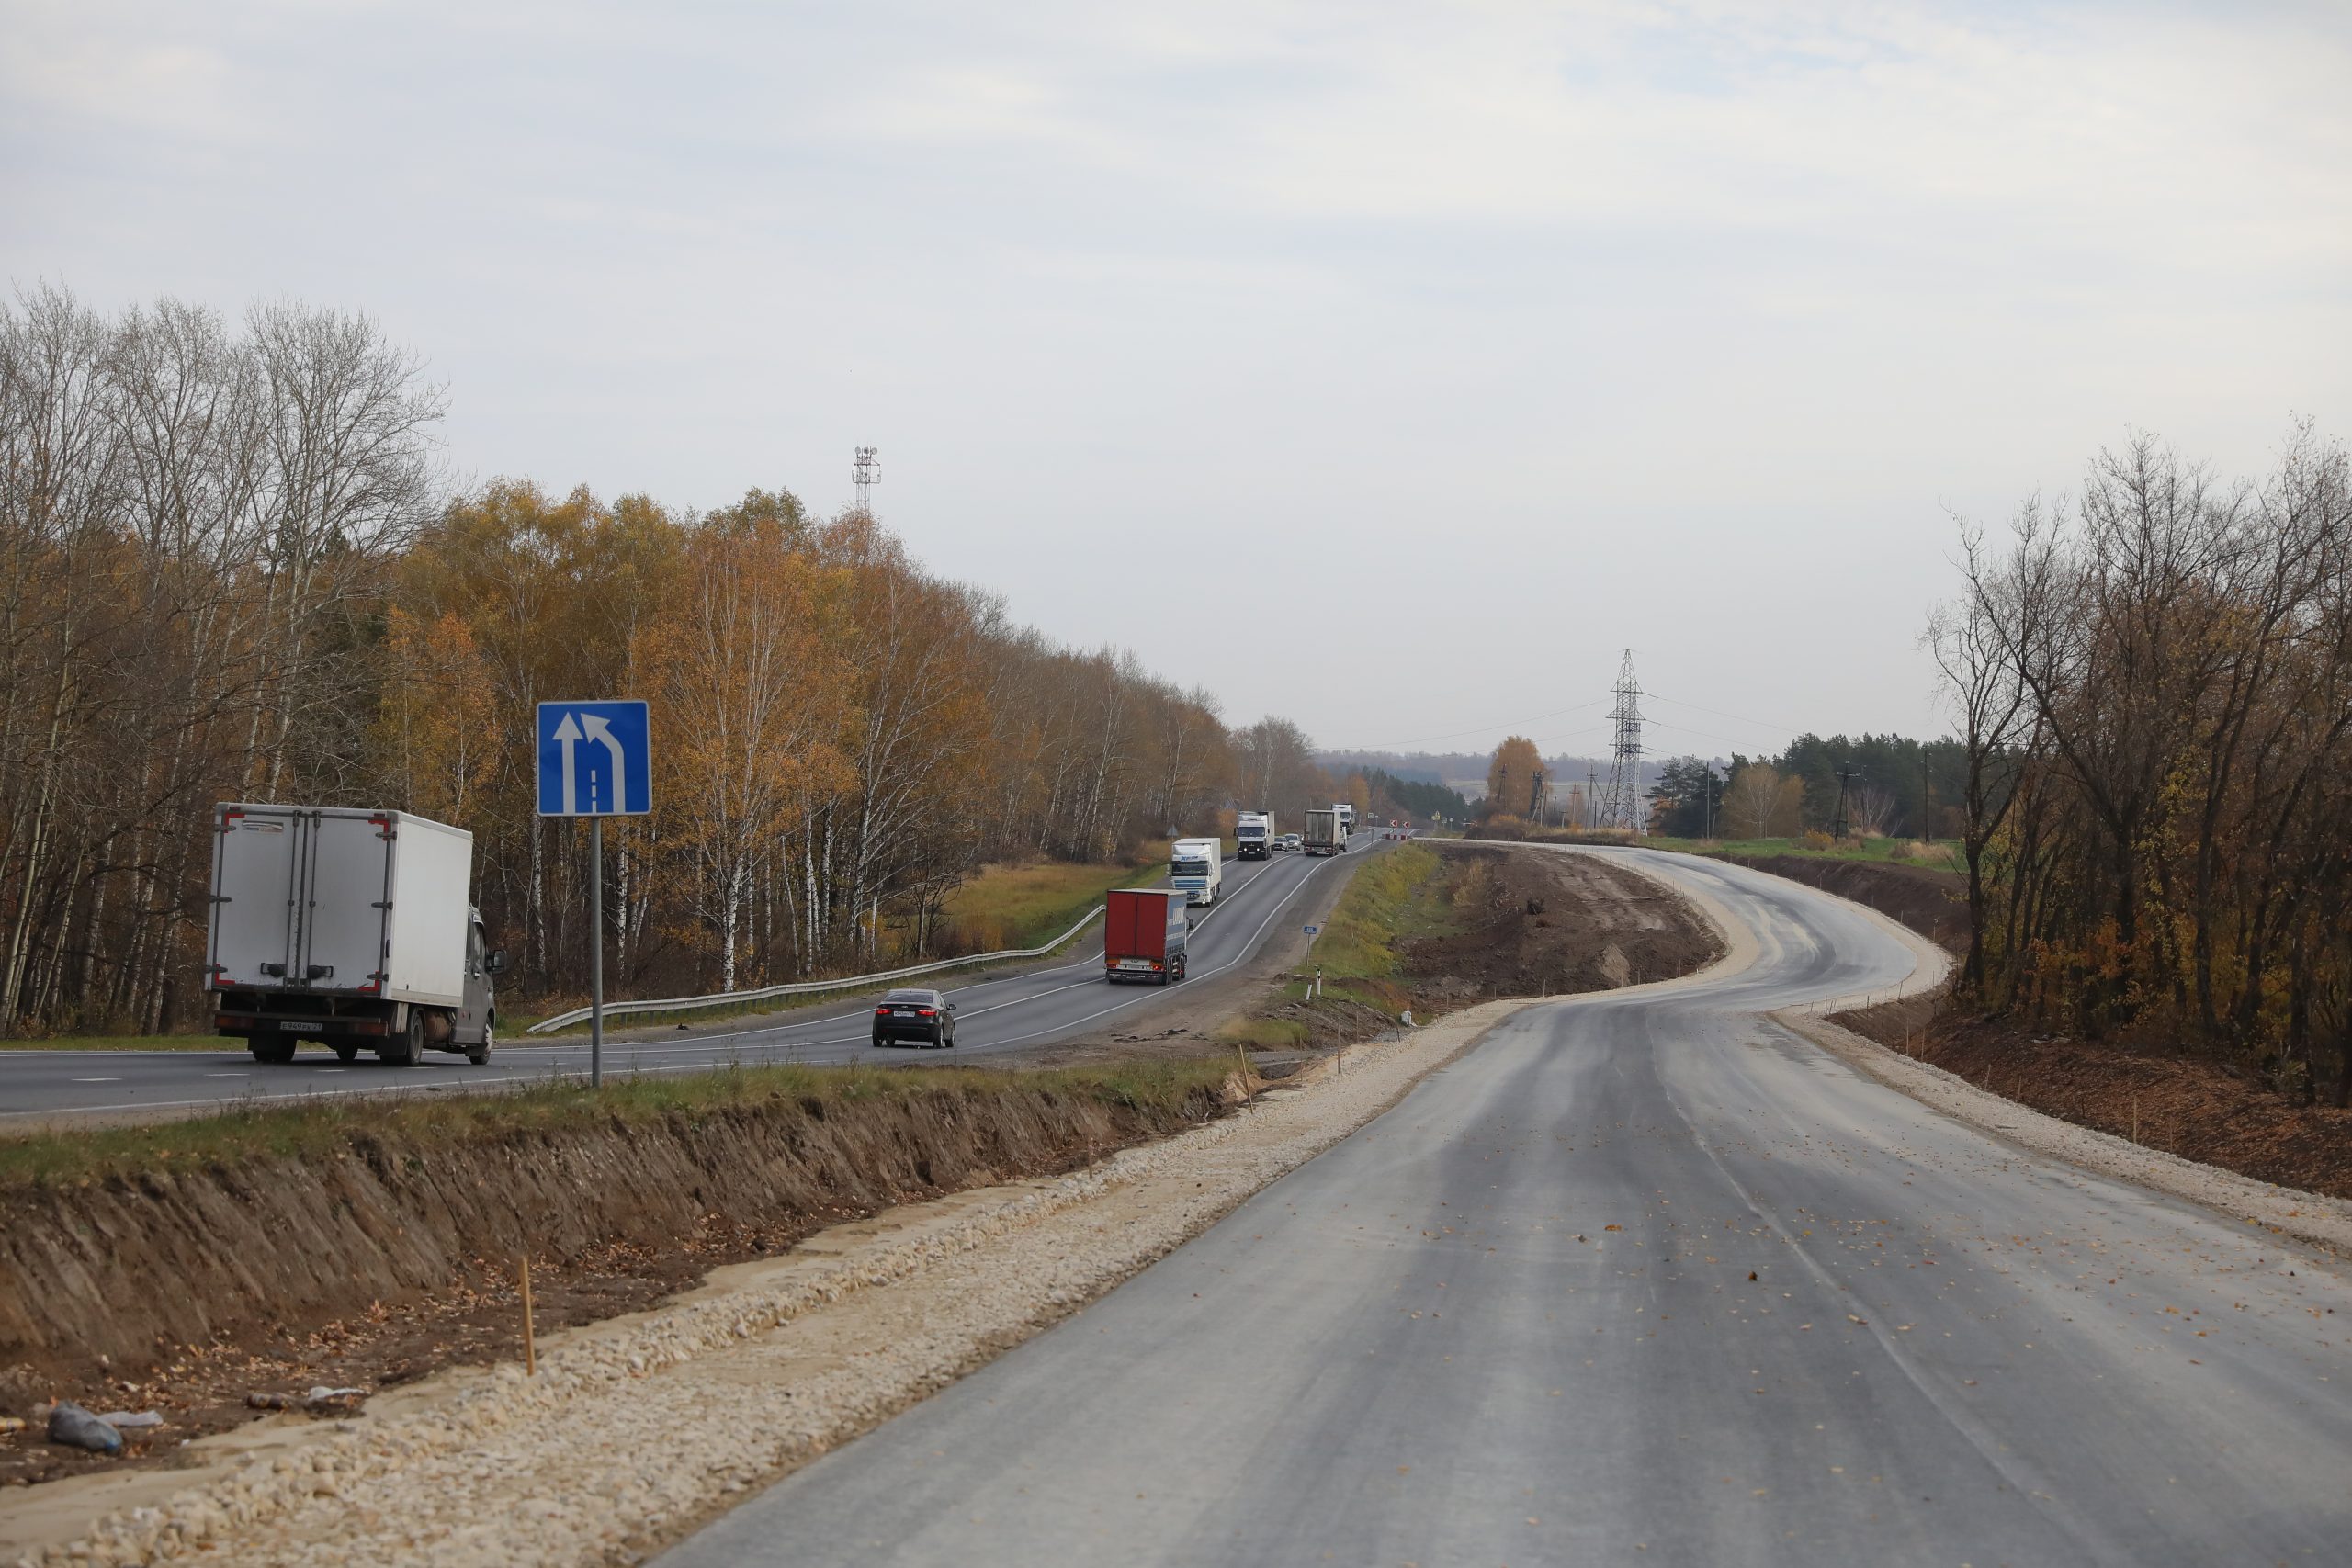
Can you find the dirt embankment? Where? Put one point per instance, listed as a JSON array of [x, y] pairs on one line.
[[1933, 903], [1547, 925], [184, 1290], [2196, 1107]]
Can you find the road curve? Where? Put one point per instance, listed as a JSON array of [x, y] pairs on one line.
[[1004, 1013], [1645, 1278]]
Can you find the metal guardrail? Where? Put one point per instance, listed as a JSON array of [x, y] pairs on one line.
[[809, 988]]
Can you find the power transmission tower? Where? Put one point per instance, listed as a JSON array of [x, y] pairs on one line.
[[1591, 797], [1622, 807], [866, 473]]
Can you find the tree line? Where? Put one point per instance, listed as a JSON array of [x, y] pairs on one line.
[[232, 569], [1892, 786], [2152, 683]]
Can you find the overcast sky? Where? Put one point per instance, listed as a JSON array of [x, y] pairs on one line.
[[1388, 366]]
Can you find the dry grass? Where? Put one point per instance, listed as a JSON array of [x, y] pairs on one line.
[[1020, 906]]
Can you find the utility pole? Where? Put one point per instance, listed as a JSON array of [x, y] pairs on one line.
[[1592, 795], [866, 473], [1837, 825]]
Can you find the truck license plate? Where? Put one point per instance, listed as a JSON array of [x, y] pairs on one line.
[[305, 1028], [1135, 963]]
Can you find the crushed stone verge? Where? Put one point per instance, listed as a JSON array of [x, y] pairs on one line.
[[633, 1432]]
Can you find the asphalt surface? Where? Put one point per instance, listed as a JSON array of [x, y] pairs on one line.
[[1833, 1328], [992, 1016]]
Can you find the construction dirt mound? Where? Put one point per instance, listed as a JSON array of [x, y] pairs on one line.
[[1523, 923], [1539, 924], [186, 1289], [1933, 903]]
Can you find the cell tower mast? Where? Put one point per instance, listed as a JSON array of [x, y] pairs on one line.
[[1621, 803], [866, 473]]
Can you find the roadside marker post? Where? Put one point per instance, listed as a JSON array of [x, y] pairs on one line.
[[595, 760]]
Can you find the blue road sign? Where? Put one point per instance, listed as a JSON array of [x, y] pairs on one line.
[[596, 760], [1310, 930]]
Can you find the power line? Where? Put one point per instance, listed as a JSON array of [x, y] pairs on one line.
[[1686, 729], [1477, 728], [1743, 719]]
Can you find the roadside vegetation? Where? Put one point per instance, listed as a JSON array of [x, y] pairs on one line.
[[1392, 897], [1020, 906], [2154, 683], [1942, 854], [333, 1128]]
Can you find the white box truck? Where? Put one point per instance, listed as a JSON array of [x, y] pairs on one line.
[[1253, 835], [349, 927], [1347, 815], [1196, 867]]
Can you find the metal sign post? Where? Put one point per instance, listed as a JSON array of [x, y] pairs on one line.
[[596, 952], [595, 760]]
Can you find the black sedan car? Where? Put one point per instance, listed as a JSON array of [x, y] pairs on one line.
[[925, 1017]]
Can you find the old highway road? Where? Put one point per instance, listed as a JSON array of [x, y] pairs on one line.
[[992, 1015], [1645, 1278]]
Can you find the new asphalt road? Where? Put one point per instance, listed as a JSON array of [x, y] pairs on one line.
[[992, 1015], [1644, 1279]]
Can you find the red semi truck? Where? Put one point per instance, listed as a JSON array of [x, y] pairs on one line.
[[1143, 934]]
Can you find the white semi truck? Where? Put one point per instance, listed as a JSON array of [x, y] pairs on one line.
[[349, 927], [1196, 867], [1347, 815], [1253, 835]]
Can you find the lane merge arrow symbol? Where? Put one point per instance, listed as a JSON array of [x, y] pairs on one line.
[[597, 729]]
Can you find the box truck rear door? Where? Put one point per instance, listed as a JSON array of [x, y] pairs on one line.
[[350, 884], [253, 883]]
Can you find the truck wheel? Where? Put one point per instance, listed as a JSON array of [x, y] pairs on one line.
[[407, 1048], [271, 1046], [480, 1055]]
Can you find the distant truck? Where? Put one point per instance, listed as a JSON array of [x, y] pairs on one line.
[[1253, 835], [1347, 822], [1197, 865], [349, 927], [1144, 934], [1323, 834]]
